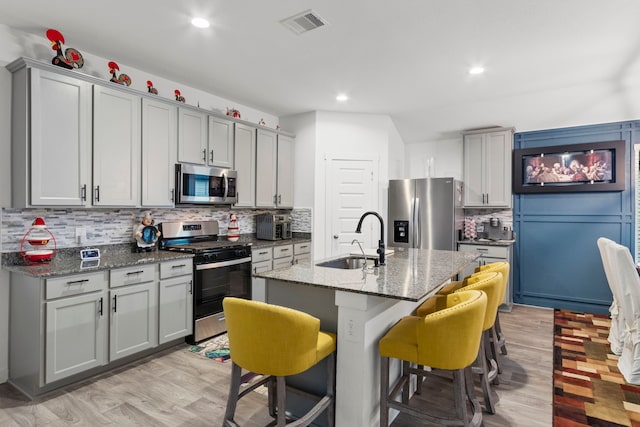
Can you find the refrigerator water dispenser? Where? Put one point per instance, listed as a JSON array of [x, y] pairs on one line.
[[401, 231]]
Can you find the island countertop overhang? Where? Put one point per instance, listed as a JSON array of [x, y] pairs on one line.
[[409, 274]]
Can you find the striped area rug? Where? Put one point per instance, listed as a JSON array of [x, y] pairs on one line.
[[588, 388]]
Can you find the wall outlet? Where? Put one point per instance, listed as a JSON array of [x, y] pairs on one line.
[[81, 234]]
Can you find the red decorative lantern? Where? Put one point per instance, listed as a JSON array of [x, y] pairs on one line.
[[39, 239]]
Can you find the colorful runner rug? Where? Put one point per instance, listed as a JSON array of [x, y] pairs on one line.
[[588, 388]]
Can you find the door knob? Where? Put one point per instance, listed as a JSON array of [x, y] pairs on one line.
[[335, 236]]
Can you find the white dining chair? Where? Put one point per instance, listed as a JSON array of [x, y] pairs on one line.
[[616, 332], [625, 274]]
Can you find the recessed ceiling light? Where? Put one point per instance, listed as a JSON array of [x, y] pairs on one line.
[[200, 23], [476, 70], [342, 97]]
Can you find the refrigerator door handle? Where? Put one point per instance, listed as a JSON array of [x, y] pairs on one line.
[[416, 222]]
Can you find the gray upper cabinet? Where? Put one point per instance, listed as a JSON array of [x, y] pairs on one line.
[[220, 143], [285, 171], [51, 138], [274, 170], [487, 168], [266, 166], [192, 136], [159, 148], [116, 147], [245, 165], [81, 141]]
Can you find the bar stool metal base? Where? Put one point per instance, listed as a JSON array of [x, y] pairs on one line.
[[463, 391], [277, 398]]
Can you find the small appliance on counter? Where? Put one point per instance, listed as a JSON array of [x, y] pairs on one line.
[[493, 230], [273, 226]]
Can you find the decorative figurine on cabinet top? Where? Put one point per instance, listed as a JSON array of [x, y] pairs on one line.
[[146, 234], [262, 122], [179, 97], [71, 58], [233, 113], [122, 79], [150, 87]]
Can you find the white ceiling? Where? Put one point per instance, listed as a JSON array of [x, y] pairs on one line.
[[548, 62]]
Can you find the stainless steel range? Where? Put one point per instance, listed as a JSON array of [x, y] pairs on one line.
[[220, 268]]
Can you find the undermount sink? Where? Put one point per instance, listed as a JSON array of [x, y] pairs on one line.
[[345, 263]]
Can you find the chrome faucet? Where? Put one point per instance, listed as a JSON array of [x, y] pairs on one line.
[[364, 266], [381, 247]]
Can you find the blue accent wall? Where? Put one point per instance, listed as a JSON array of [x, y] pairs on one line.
[[556, 259]]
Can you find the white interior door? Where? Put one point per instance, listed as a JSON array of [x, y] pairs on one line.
[[352, 190]]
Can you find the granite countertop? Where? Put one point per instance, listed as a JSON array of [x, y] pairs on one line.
[[270, 243], [409, 274], [67, 261], [487, 242]]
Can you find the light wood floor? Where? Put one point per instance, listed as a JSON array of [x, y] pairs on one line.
[[179, 388]]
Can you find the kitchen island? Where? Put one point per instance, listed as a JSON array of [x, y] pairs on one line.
[[360, 306]]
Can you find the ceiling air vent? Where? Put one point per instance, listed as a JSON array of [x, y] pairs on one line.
[[303, 22]]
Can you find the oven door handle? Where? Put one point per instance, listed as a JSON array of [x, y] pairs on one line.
[[222, 263]]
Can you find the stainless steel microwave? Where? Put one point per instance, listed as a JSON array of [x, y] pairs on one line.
[[205, 185]]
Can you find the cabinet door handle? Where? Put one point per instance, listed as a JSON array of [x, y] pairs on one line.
[[211, 156], [275, 199], [190, 287], [115, 303], [77, 282], [97, 193], [171, 195], [263, 253], [487, 198], [83, 193], [179, 266], [284, 249], [204, 155], [100, 306], [135, 272], [279, 199]]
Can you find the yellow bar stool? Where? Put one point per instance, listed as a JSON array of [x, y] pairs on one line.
[[276, 342], [485, 366], [497, 336], [502, 267], [447, 339]]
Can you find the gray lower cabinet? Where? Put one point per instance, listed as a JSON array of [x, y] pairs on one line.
[[65, 328], [133, 310], [489, 254], [301, 252], [175, 300], [76, 329]]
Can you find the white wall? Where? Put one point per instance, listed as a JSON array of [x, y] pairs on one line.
[[445, 155], [323, 134]]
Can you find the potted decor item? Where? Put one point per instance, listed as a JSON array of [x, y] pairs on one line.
[[233, 232], [39, 239]]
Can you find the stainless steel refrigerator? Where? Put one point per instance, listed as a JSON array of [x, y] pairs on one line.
[[425, 213]]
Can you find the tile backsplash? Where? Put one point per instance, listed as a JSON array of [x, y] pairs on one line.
[[482, 215], [114, 226]]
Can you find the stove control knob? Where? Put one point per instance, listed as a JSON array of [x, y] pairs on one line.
[[210, 257]]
